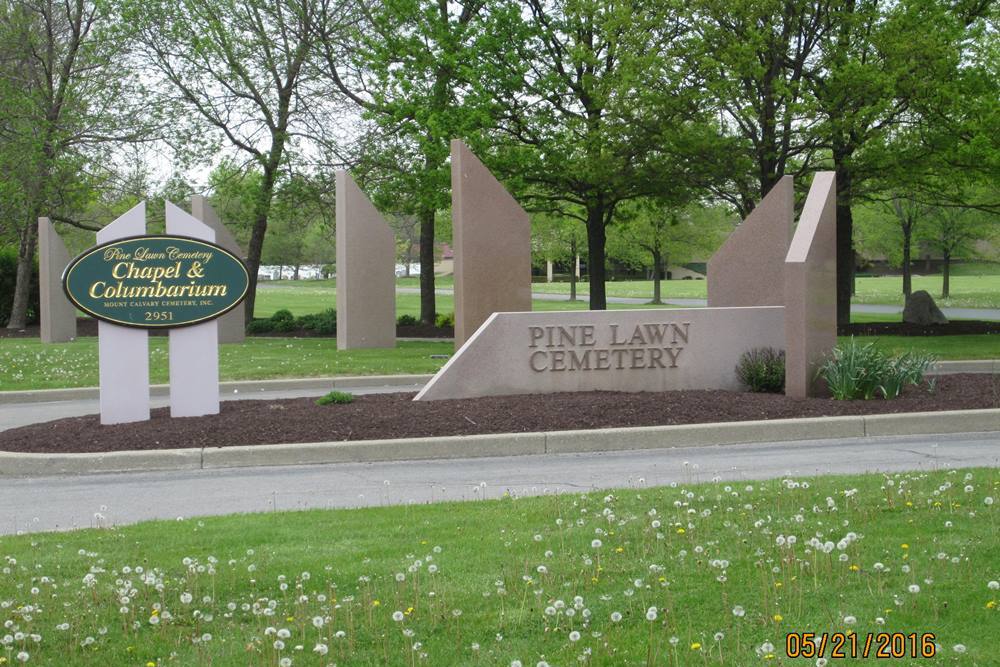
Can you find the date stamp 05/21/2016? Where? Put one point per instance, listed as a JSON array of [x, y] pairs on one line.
[[838, 645]]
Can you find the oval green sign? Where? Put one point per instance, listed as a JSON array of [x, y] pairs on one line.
[[156, 281]]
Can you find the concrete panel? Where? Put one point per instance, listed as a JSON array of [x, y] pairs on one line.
[[58, 316], [623, 350], [929, 423], [366, 271], [35, 465], [749, 267], [364, 451], [123, 352], [194, 350], [492, 243], [811, 288], [232, 325], [702, 435]]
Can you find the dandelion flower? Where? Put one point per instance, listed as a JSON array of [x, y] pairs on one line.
[[616, 617], [914, 588], [651, 614], [574, 636], [993, 585], [397, 616], [958, 648]]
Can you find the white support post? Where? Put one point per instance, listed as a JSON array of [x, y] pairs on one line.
[[123, 351], [194, 350]]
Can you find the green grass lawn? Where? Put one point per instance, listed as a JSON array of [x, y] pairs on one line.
[[690, 574], [974, 286], [29, 364]]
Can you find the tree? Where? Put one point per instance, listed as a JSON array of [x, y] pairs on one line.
[[954, 232], [599, 111], [558, 239], [666, 235], [411, 67], [240, 65], [65, 95]]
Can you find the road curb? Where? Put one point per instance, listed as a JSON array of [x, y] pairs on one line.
[[225, 388], [507, 444]]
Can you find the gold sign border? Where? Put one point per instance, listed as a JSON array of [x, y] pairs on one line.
[[169, 325]]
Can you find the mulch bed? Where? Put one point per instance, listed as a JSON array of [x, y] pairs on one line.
[[954, 328], [87, 326], [397, 416]]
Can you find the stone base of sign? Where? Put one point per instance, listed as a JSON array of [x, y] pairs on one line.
[[58, 316], [630, 350], [232, 325], [366, 271], [748, 270], [123, 352], [811, 288], [492, 243]]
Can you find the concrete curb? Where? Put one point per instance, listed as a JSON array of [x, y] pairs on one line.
[[225, 388], [506, 444], [969, 366]]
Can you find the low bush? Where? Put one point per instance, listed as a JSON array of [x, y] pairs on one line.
[[445, 321], [337, 397], [762, 369], [324, 323], [283, 321], [258, 326], [407, 321], [856, 371]]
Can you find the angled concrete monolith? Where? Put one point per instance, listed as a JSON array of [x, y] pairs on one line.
[[366, 271], [232, 325], [194, 350], [58, 315], [811, 288], [748, 270], [492, 241], [123, 352]]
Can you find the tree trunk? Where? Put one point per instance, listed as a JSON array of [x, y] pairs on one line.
[[25, 270], [428, 305], [262, 209], [657, 272], [907, 240], [845, 243], [946, 275], [573, 270], [295, 275], [596, 240]]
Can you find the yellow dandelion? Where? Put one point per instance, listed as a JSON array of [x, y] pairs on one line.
[[680, 531], [375, 603], [991, 604], [290, 619], [904, 545], [619, 550], [854, 568], [696, 646], [778, 584], [778, 618]]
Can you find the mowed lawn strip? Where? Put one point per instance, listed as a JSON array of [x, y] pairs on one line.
[[28, 364], [688, 574]]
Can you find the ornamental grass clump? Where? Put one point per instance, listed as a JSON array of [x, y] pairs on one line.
[[762, 369], [863, 372]]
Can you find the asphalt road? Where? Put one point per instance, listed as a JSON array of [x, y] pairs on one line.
[[62, 503]]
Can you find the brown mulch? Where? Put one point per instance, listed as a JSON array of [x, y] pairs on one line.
[[87, 326], [397, 416]]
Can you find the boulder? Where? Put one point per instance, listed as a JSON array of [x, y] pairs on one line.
[[921, 309]]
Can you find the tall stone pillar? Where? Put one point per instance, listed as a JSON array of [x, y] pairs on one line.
[[748, 270], [58, 315], [366, 271], [811, 288], [492, 241], [232, 325]]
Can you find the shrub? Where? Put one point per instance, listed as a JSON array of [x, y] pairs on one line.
[[857, 371], [283, 320], [8, 279], [338, 397], [762, 369], [324, 323], [445, 321], [407, 321], [260, 326]]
